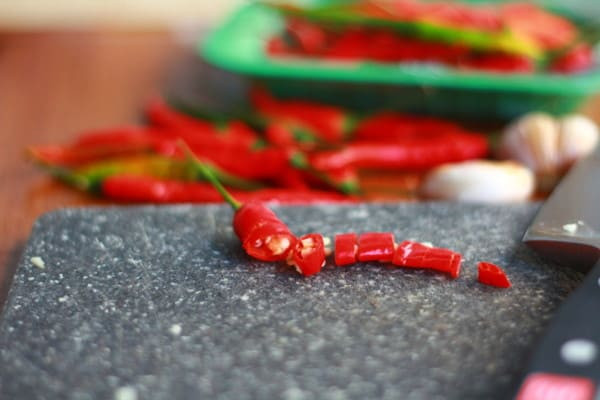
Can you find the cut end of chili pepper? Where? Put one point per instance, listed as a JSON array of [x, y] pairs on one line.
[[346, 247], [308, 256], [263, 235], [376, 246], [492, 275]]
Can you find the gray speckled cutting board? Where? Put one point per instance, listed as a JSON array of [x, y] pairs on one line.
[[161, 303]]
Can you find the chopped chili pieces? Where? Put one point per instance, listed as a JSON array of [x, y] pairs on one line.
[[308, 255], [492, 275], [376, 246], [346, 246], [411, 254]]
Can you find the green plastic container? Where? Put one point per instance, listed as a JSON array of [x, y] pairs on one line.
[[238, 45]]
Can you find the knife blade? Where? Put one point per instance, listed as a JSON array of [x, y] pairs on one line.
[[566, 362]]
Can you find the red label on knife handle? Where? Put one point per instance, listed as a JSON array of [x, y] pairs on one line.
[[541, 386]]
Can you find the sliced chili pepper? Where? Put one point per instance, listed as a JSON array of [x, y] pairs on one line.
[[409, 154], [329, 123], [375, 246], [308, 255], [492, 275], [417, 255], [346, 246]]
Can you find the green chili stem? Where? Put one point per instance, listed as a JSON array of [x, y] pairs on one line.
[[206, 171]]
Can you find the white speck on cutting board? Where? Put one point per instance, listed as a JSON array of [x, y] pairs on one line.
[[38, 262], [63, 299], [175, 330], [359, 213], [126, 393]]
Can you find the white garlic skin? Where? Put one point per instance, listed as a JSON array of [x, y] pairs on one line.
[[547, 145], [533, 141], [578, 138], [479, 182]]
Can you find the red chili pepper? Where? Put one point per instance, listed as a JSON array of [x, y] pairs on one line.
[[350, 44], [346, 246], [263, 235], [500, 63], [417, 255], [308, 256], [308, 37], [376, 246], [393, 126], [577, 59], [147, 189], [329, 123], [180, 125], [286, 134], [411, 154], [492, 275]]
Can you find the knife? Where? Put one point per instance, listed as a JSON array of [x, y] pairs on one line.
[[566, 363]]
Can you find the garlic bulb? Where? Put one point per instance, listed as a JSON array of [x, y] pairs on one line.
[[479, 181], [547, 145], [578, 138], [533, 141]]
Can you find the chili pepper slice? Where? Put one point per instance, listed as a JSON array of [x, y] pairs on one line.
[[308, 256], [346, 246], [492, 275], [417, 255], [376, 246]]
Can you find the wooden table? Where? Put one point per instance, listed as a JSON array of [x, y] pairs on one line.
[[53, 85], [56, 84]]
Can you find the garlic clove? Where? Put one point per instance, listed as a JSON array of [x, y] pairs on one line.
[[578, 138], [479, 181], [533, 141]]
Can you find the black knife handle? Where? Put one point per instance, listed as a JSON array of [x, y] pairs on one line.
[[567, 359]]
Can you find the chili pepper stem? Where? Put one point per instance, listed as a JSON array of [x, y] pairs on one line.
[[206, 171], [64, 174]]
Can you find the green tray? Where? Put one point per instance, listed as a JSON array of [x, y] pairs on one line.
[[238, 45]]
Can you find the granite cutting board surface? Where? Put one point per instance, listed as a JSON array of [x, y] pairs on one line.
[[161, 303]]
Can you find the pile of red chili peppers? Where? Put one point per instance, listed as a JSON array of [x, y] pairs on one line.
[[287, 151], [265, 237], [509, 37]]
